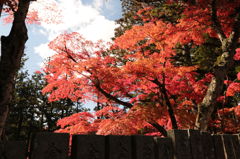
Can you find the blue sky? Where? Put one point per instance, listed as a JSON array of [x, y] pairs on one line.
[[94, 19]]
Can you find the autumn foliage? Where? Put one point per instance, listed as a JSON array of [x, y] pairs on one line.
[[40, 11], [136, 80]]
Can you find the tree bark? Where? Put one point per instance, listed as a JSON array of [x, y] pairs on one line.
[[12, 48], [1, 7], [20, 122], [206, 108], [222, 65]]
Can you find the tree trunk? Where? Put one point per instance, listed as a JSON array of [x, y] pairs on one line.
[[215, 88], [12, 48], [206, 108], [20, 122], [1, 7], [222, 65]]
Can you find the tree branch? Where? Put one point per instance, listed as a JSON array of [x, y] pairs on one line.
[[216, 23], [234, 36], [168, 103], [109, 96], [160, 128]]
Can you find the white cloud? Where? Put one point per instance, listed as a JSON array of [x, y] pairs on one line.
[[85, 19], [100, 4], [99, 28], [43, 50]]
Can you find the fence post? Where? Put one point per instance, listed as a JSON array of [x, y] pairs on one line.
[[49, 146], [219, 147], [196, 144], [143, 147], [119, 147], [164, 148], [13, 150], [238, 135], [229, 149], [208, 146], [181, 146], [88, 146], [236, 146]]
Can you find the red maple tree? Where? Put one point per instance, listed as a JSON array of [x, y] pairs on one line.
[[140, 88]]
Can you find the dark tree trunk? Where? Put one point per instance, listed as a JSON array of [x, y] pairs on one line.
[[1, 7], [12, 51], [20, 121]]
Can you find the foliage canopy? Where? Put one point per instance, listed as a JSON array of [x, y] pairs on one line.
[[176, 67]]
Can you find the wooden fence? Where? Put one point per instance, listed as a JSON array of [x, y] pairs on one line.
[[181, 144]]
